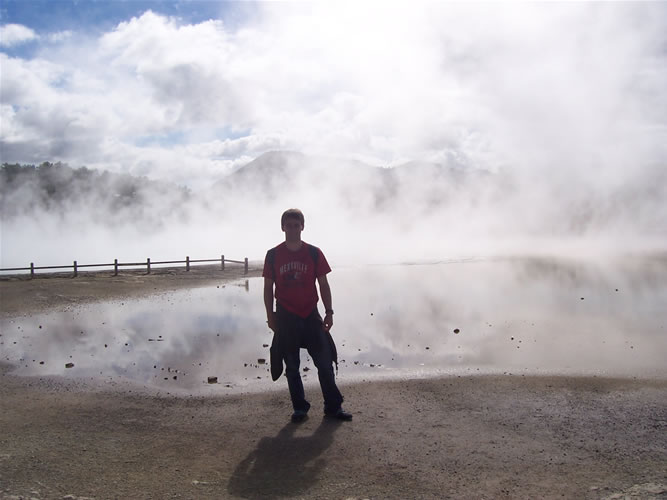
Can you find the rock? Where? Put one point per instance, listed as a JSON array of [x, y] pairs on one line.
[[261, 361], [69, 365], [456, 330], [213, 380], [306, 368]]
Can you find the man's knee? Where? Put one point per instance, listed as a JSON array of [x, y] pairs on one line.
[[292, 362]]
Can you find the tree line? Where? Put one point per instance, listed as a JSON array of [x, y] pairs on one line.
[[59, 188]]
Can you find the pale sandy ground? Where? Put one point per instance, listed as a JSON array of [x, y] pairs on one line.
[[467, 437]]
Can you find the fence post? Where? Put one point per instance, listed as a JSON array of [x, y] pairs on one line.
[[115, 267], [222, 262], [245, 269], [148, 266], [32, 270], [76, 271], [187, 263]]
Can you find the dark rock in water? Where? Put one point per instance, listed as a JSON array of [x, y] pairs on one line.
[[456, 330], [261, 361], [306, 368], [213, 380], [265, 345], [69, 365]]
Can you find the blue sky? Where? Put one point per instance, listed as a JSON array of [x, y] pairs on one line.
[[102, 15], [190, 90]]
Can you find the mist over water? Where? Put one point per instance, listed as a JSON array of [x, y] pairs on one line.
[[516, 316], [356, 214]]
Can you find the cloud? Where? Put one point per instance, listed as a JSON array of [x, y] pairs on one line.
[[570, 90], [15, 34]]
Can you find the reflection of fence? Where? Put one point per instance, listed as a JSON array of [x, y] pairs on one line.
[[75, 266]]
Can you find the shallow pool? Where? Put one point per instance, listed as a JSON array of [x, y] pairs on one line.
[[518, 316]]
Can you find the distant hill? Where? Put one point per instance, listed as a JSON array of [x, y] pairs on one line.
[[278, 173]]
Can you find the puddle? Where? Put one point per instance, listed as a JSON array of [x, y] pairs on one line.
[[522, 316]]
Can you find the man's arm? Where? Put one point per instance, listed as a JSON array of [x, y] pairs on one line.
[[325, 292], [268, 303]]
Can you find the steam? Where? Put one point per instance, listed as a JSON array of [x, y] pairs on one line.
[[547, 121]]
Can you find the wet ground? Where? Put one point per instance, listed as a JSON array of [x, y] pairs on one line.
[[519, 316]]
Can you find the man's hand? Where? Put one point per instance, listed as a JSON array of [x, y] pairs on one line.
[[271, 321], [328, 322]]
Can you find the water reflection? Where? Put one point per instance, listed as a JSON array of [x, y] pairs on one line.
[[517, 316]]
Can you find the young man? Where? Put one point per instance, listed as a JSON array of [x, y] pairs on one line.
[[293, 267]]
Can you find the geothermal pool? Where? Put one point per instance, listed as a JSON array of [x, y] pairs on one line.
[[512, 316]]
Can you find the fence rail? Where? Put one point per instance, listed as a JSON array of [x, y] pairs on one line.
[[75, 266]]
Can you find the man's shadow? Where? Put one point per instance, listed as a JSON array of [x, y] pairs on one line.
[[284, 465]]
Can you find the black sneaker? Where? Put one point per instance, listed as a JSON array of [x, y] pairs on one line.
[[340, 414], [299, 416]]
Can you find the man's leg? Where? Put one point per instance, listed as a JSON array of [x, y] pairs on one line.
[[291, 329], [294, 382], [320, 351]]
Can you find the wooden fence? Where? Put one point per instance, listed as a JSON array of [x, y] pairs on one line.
[[115, 264]]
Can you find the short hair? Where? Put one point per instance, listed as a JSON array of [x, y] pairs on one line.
[[292, 213]]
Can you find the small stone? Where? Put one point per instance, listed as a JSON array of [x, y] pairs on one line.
[[265, 345], [306, 368], [213, 380], [456, 330], [261, 361], [69, 365]]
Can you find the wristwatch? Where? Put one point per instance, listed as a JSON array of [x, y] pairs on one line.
[[328, 311]]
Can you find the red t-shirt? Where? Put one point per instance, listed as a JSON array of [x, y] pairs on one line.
[[294, 273]]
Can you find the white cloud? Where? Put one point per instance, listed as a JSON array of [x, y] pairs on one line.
[[564, 88], [60, 36], [15, 34]]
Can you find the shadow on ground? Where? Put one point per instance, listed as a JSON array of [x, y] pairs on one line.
[[285, 465]]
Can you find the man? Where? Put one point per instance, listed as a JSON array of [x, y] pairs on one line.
[[293, 267]]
